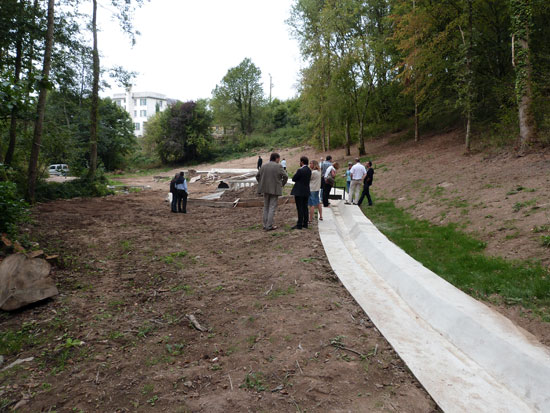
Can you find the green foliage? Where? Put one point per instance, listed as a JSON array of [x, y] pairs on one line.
[[13, 209], [237, 99], [181, 133], [254, 381], [12, 342], [82, 187]]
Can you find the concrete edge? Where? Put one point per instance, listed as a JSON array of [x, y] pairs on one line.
[[511, 355]]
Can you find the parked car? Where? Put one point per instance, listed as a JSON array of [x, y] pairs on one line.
[[58, 169]]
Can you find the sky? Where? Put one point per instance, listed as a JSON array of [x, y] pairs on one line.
[[187, 46]]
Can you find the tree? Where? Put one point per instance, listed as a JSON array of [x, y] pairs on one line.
[[124, 12], [180, 133], [522, 15], [37, 138], [237, 98]]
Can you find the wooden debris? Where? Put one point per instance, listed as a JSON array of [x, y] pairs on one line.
[[17, 247], [36, 254], [52, 259], [195, 323], [236, 202], [17, 362], [6, 241]]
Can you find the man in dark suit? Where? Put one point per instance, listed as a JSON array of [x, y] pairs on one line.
[[301, 192], [367, 183]]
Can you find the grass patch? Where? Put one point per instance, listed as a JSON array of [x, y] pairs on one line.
[[12, 342], [459, 259], [254, 381]]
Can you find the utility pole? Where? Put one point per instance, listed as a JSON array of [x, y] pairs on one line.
[[270, 87]]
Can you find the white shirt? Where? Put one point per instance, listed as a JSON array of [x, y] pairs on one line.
[[329, 170], [358, 171], [283, 163]]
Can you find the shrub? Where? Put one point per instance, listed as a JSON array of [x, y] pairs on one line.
[[82, 187], [13, 210]]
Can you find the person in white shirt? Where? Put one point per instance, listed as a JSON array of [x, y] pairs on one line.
[[358, 173], [283, 164]]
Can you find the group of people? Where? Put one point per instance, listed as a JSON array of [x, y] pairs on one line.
[[178, 189], [312, 183]]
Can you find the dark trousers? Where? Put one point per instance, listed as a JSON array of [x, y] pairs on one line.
[[303, 214], [182, 200], [365, 193], [174, 203], [326, 192]]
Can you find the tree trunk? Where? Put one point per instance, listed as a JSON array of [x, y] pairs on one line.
[[323, 147], [94, 114], [469, 77], [250, 114], [41, 106], [416, 120], [328, 134], [416, 116], [361, 139], [17, 75], [521, 59], [468, 130], [348, 137]]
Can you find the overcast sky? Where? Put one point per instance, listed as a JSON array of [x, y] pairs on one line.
[[187, 46]]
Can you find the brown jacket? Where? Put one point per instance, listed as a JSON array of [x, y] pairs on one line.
[[271, 178]]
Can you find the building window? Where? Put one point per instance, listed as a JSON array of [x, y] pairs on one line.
[[136, 126], [135, 102], [143, 113], [143, 102], [135, 113], [160, 103]]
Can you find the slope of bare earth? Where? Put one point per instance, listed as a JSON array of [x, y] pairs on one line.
[[495, 195], [281, 334]]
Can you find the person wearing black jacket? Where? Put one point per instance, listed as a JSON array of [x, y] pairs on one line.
[[301, 192], [173, 191], [260, 162], [367, 182]]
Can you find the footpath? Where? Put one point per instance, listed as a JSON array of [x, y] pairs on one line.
[[468, 357]]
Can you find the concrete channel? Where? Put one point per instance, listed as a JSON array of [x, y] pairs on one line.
[[468, 357]]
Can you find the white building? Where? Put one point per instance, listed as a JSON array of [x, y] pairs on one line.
[[141, 106]]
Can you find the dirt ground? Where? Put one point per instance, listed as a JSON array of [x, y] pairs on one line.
[[281, 334], [500, 198], [118, 337]]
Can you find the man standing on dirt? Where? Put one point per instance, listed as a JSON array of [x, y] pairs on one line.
[[271, 180], [367, 183], [260, 161], [301, 192]]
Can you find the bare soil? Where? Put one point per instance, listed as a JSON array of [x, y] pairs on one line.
[[273, 311]]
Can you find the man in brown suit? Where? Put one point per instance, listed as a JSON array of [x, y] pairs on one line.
[[271, 178]]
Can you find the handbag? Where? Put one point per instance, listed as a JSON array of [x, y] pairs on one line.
[[330, 180]]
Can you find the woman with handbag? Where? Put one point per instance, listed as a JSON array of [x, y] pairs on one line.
[[330, 178]]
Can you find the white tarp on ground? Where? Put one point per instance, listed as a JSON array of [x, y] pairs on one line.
[[467, 356]]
